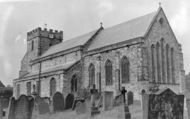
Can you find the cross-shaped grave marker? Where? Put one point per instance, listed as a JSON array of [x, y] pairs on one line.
[[126, 108]]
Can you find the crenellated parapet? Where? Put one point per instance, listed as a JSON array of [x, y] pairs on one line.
[[48, 33]]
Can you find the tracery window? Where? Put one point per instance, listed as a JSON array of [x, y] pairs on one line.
[[108, 72], [125, 67]]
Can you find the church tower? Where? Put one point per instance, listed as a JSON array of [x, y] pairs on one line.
[[38, 41]]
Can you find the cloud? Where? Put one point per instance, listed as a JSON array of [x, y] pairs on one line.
[[3, 23], [180, 21]]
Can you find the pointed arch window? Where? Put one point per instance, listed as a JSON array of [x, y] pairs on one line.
[[167, 63], [52, 86], [108, 72], [163, 61], [172, 65], [91, 71], [158, 62], [74, 81], [153, 63], [125, 65]]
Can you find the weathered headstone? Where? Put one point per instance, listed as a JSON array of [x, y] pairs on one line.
[[21, 108], [118, 100], [81, 107], [130, 98], [164, 104], [11, 108], [188, 107], [108, 100], [31, 106], [58, 102], [42, 106], [69, 101]]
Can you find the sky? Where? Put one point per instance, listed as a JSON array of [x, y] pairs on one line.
[[76, 17]]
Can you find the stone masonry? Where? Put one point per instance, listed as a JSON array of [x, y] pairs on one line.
[[68, 61]]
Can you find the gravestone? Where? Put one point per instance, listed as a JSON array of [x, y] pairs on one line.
[[42, 106], [31, 106], [22, 108], [188, 107], [163, 104], [69, 101], [12, 104], [130, 98], [108, 100], [77, 99], [118, 100], [81, 107], [58, 102]]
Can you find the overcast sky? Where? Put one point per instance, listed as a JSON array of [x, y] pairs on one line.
[[76, 17]]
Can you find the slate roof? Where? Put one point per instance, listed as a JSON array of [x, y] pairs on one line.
[[55, 68], [67, 44], [125, 31]]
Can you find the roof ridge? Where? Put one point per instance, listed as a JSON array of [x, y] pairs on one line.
[[81, 40], [130, 20]]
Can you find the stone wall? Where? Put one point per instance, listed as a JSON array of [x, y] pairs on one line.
[[163, 31], [133, 53], [41, 40]]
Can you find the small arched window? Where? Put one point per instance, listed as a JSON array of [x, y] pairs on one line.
[[74, 81], [108, 72], [91, 73], [52, 86], [125, 67]]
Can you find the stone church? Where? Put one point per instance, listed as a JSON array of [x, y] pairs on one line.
[[136, 54]]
